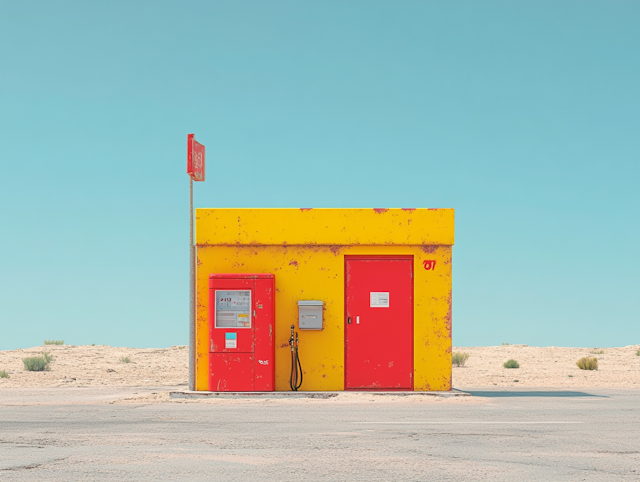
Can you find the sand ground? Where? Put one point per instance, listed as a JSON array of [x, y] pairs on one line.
[[548, 367], [101, 365], [540, 367]]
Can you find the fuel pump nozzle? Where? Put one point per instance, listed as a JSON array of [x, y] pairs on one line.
[[291, 339], [296, 366]]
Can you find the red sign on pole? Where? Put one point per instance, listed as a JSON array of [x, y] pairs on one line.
[[195, 158]]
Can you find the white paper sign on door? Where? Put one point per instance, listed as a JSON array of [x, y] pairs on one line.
[[379, 299]]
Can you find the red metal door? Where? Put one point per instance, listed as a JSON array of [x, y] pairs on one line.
[[231, 372], [265, 370], [379, 323]]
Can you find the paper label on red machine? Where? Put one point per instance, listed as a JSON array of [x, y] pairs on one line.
[[379, 299], [231, 340]]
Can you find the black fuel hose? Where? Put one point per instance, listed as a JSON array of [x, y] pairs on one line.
[[295, 378]]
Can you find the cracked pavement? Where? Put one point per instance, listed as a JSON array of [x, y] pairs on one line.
[[140, 434]]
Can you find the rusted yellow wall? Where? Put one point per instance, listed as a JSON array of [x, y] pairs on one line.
[[324, 226], [281, 241]]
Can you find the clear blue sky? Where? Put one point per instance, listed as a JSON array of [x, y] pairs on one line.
[[523, 116]]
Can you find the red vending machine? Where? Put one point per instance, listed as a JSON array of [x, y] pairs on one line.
[[241, 332]]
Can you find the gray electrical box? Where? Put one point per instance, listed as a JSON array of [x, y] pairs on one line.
[[310, 315]]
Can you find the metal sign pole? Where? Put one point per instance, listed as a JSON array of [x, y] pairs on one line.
[[195, 170], [192, 294]]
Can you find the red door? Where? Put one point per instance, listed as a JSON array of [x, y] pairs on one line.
[[379, 323]]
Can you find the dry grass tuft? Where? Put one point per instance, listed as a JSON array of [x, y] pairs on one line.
[[587, 363], [54, 342], [597, 352], [459, 358], [4, 374], [125, 359]]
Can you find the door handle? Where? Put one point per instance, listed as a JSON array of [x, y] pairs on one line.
[[349, 320]]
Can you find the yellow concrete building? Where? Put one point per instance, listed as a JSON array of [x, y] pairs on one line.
[[309, 251]]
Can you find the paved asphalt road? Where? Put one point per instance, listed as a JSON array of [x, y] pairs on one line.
[[555, 435]]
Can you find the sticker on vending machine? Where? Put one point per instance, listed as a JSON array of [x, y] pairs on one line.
[[231, 340]]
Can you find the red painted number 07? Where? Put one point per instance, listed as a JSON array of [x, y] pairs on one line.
[[429, 264]]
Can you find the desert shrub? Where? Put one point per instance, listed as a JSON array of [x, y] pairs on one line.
[[597, 352], [54, 342], [638, 353], [125, 359], [511, 364], [4, 374], [459, 359], [506, 344], [588, 363], [37, 363]]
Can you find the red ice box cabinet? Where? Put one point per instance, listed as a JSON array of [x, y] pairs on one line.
[[241, 332]]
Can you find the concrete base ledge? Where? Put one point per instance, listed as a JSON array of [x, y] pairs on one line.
[[321, 395]]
